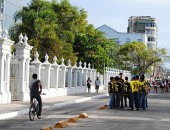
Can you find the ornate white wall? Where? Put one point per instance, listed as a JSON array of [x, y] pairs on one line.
[[56, 79]]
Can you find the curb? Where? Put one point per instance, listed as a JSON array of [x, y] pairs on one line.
[[57, 105]]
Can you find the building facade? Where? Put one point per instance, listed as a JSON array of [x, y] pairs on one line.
[[7, 10], [146, 25], [122, 38]]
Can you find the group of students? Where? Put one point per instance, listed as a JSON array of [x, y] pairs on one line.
[[121, 90]]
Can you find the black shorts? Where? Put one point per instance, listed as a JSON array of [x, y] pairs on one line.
[[97, 87]]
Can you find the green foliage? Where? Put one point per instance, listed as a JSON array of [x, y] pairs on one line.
[[51, 27], [138, 55], [60, 29], [92, 47]]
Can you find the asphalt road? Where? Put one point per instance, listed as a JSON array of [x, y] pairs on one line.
[[156, 117]]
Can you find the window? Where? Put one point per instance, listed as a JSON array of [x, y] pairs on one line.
[[151, 39], [127, 40], [117, 40], [139, 40]]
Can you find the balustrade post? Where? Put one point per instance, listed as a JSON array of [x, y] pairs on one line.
[[69, 68], [63, 74], [5, 55], [56, 67], [23, 52]]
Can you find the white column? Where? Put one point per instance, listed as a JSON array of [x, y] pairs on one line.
[[5, 45], [56, 67], [69, 67], [23, 51], [75, 78], [63, 68], [85, 73], [80, 74], [37, 65], [47, 73]]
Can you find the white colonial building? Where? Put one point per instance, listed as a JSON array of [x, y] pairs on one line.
[[122, 38]]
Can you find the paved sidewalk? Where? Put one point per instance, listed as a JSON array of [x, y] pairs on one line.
[[17, 107]]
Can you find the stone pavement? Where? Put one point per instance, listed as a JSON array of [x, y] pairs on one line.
[[17, 107]]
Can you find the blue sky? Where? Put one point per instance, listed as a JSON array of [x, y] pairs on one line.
[[115, 13]]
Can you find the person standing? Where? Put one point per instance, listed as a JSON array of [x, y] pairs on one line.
[[35, 91], [89, 84], [155, 85], [127, 93], [135, 84], [121, 81], [97, 84], [111, 93], [143, 90], [118, 92]]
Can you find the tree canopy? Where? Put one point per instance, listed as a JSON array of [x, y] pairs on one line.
[[60, 29], [137, 57]]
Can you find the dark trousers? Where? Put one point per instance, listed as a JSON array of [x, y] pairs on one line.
[[119, 100], [125, 100], [142, 101], [135, 98], [38, 98]]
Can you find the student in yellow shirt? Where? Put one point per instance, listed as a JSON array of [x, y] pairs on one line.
[[143, 92], [135, 84]]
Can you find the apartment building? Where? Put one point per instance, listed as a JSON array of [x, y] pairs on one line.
[[145, 25], [122, 38]]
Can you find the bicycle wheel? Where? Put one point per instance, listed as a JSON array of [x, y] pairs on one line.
[[37, 109], [32, 112]]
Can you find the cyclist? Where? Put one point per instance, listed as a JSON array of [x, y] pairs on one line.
[[35, 91]]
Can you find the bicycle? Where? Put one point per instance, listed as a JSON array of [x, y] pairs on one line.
[[34, 109]]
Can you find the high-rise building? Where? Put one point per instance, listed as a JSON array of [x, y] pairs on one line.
[[7, 10], [144, 24]]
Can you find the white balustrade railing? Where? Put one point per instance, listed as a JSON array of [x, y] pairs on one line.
[[56, 79]]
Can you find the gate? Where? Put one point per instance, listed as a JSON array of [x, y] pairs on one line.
[[14, 77]]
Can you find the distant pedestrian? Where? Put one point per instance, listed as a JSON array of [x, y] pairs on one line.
[[89, 84], [155, 85], [97, 84]]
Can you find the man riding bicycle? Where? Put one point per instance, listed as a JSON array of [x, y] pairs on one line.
[[35, 91]]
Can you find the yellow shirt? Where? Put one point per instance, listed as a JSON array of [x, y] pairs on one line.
[[135, 84], [144, 87]]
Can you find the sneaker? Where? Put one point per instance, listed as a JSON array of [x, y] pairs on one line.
[[39, 117]]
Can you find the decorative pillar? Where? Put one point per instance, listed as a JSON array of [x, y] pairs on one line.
[[63, 67], [80, 74], [37, 65], [5, 55], [56, 67], [90, 73], [47, 73], [69, 67], [85, 74], [23, 51], [75, 76]]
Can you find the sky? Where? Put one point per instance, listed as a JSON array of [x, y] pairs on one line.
[[115, 13]]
